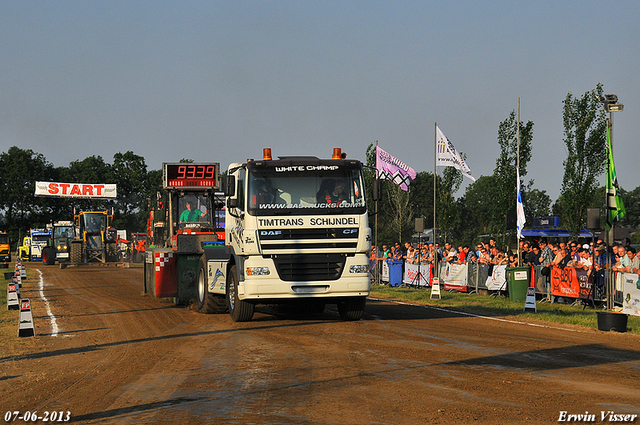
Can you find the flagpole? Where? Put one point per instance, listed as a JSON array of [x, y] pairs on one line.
[[518, 183], [377, 263], [608, 233], [435, 156]]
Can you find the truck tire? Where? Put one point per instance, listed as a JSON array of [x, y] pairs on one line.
[[239, 310], [208, 303], [49, 256], [351, 309], [75, 256]]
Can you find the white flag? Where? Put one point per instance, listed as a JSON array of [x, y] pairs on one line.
[[448, 156], [520, 209]]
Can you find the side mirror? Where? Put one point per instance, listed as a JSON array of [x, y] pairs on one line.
[[229, 185]]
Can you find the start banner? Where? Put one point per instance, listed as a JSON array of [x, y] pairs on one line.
[[76, 190]]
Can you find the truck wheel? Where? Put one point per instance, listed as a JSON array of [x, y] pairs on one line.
[[75, 256], [49, 256], [240, 311], [351, 309], [208, 303]]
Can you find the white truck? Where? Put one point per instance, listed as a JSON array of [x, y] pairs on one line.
[[296, 231]]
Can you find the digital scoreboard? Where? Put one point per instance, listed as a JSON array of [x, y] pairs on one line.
[[195, 175]]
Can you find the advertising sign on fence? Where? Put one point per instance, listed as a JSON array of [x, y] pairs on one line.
[[631, 291], [570, 282], [385, 272], [497, 281], [412, 271], [455, 277]]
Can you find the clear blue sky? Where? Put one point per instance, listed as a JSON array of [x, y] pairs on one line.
[[220, 80]]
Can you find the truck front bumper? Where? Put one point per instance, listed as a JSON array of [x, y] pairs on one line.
[[355, 281]]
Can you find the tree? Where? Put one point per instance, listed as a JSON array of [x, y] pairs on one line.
[[447, 216], [401, 216], [20, 169], [631, 201], [504, 194], [585, 139], [536, 203], [130, 174], [477, 208], [92, 169]]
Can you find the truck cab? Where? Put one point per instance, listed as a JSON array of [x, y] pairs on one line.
[[33, 245], [5, 249], [296, 231]]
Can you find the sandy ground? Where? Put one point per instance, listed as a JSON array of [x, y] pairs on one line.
[[109, 354]]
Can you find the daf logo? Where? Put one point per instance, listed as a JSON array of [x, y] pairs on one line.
[[270, 232], [349, 231]]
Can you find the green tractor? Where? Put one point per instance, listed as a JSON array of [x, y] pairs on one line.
[[59, 246]]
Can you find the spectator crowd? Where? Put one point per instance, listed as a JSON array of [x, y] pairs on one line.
[[589, 256]]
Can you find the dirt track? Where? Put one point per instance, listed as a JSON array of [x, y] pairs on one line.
[[121, 357]]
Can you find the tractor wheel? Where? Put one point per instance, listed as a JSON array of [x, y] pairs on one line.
[[112, 254], [49, 256], [75, 256]]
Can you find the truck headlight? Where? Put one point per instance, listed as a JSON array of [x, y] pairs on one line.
[[362, 268], [258, 271]]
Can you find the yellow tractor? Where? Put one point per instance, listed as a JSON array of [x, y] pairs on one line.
[[94, 243]]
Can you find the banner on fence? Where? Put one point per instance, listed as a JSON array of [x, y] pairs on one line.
[[497, 281], [570, 282], [411, 274], [631, 290], [385, 271], [455, 277]]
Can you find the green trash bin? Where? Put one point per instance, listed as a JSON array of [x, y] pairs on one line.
[[518, 280]]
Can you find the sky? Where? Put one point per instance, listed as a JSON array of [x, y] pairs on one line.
[[218, 81]]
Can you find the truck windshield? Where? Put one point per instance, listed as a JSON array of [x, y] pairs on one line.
[[193, 210], [62, 232], [40, 238], [4, 239], [305, 190], [94, 222]]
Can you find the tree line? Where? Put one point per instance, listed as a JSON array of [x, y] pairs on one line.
[[481, 210], [20, 210]]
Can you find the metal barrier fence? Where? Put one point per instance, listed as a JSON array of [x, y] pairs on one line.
[[570, 284]]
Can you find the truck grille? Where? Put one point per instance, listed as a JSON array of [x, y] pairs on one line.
[[296, 239], [301, 267]]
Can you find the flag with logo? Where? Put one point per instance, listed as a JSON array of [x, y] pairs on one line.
[[615, 207], [448, 156], [391, 168], [521, 220]]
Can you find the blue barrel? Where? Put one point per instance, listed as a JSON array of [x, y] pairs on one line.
[[395, 273]]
